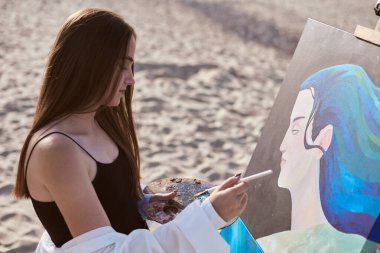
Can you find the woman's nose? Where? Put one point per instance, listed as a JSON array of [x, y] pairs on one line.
[[129, 79]]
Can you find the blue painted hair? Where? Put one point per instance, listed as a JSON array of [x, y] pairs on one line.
[[346, 98]]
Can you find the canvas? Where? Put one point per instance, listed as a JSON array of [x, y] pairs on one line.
[[322, 140], [239, 238]]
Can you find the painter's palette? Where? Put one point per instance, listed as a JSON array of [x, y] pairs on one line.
[[165, 211]]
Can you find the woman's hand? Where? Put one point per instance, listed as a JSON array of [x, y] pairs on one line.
[[149, 198], [230, 198], [162, 196]]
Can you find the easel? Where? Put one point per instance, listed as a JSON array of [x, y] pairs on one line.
[[368, 34]]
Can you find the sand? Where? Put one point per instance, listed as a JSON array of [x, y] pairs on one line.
[[208, 72]]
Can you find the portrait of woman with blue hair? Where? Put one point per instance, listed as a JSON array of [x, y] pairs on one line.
[[331, 164]]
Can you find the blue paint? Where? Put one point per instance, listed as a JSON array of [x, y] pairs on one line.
[[239, 238], [346, 98]]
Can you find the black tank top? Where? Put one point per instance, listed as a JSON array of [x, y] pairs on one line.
[[112, 189]]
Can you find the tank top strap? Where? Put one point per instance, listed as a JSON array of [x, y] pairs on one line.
[[43, 137]]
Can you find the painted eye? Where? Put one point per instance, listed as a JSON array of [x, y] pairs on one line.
[[295, 131]]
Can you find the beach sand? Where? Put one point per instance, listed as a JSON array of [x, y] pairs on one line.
[[207, 74]]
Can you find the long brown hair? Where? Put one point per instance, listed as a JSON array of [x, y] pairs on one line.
[[81, 69]]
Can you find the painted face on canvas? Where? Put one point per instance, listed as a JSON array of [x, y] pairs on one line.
[[126, 77], [296, 160]]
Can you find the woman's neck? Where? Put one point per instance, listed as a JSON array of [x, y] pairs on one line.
[[83, 122], [306, 202]]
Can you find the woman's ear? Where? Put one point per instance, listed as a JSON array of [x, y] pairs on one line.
[[324, 137]]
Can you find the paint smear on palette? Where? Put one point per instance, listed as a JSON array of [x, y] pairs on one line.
[[165, 211]]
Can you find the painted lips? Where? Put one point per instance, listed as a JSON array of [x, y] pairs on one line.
[[283, 161]]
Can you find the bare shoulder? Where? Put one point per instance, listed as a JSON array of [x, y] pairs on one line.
[[56, 157], [61, 175], [56, 147], [52, 142]]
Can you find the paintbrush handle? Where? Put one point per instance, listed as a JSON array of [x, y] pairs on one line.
[[247, 179], [258, 175]]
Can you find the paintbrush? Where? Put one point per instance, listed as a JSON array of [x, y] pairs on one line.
[[245, 179]]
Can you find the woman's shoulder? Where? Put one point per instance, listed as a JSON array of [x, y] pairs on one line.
[[54, 149], [51, 142], [53, 158], [53, 139]]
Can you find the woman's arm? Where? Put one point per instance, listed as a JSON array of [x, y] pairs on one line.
[[64, 171]]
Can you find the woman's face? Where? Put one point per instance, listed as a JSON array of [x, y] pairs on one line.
[[126, 77], [296, 161]]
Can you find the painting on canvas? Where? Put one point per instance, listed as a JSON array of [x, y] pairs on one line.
[[322, 140]]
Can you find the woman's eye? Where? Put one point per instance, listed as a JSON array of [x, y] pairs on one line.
[[124, 67]]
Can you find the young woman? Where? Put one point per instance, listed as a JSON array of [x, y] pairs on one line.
[[80, 162]]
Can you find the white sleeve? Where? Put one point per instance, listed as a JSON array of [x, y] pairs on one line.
[[193, 230], [213, 216]]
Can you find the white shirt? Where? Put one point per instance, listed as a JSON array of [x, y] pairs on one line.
[[195, 229]]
